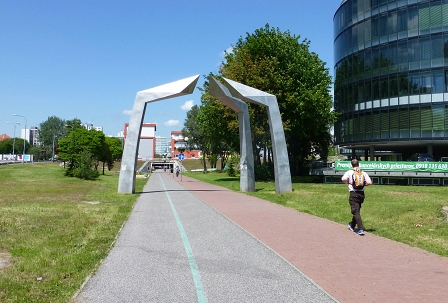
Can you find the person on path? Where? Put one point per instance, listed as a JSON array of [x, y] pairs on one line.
[[356, 197]]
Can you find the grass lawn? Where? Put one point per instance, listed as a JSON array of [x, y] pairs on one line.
[[55, 230], [409, 214]]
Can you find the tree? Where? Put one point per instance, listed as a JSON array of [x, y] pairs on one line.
[[111, 151], [278, 63], [34, 150], [220, 126], [52, 128], [6, 146], [195, 133], [73, 123], [50, 132], [82, 148], [83, 169]]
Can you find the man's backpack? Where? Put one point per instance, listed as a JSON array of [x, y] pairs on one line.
[[358, 179]]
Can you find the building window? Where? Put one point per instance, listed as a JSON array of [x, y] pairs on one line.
[[438, 83], [414, 122], [393, 86], [414, 83], [438, 120], [385, 127], [394, 124], [404, 122], [426, 122], [384, 88]]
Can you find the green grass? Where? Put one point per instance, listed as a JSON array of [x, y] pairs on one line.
[[408, 214], [190, 164], [54, 236]]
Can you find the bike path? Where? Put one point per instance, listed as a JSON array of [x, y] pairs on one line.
[[177, 248], [351, 268]]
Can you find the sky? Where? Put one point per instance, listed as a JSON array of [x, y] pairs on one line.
[[88, 59]]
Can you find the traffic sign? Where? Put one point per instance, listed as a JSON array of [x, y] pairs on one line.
[[181, 157]]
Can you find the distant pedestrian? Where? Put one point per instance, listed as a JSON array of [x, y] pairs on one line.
[[357, 180]]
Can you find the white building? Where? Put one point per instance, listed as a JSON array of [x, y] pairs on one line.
[[163, 145], [90, 126]]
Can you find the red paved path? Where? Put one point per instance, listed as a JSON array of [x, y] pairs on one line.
[[380, 270]]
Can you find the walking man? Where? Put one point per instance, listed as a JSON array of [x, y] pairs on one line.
[[357, 180]]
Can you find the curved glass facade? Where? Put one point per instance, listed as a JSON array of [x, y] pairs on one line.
[[391, 75]]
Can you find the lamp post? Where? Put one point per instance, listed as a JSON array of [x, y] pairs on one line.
[[24, 139], [52, 157], [14, 140], [71, 164]]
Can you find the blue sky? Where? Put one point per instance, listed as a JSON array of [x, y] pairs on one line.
[[88, 59]]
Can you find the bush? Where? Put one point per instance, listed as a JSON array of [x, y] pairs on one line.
[[231, 171], [262, 173], [84, 169]]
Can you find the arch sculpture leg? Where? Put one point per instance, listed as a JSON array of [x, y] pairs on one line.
[[220, 92], [126, 182], [281, 160]]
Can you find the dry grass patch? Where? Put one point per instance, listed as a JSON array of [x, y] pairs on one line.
[[5, 259], [445, 212]]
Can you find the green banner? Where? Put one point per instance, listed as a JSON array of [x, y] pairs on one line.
[[433, 167]]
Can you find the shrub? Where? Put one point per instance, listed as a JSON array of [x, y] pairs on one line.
[[84, 169], [231, 171], [262, 173]]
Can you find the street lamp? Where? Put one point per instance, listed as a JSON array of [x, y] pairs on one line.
[[24, 139], [52, 158], [14, 140], [72, 147]]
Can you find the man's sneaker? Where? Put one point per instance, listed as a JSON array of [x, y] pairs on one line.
[[350, 226], [360, 232]]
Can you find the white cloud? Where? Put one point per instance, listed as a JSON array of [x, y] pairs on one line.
[[187, 105], [229, 50], [127, 112], [222, 54], [171, 123]]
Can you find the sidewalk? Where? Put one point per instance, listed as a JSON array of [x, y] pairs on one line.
[[201, 255], [176, 248], [351, 268]]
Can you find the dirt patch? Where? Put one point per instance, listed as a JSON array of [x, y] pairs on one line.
[[445, 212], [5, 259]]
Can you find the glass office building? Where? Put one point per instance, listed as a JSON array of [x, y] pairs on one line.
[[391, 76]]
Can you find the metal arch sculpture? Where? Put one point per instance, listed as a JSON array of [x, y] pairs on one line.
[[281, 161], [220, 92], [126, 182]]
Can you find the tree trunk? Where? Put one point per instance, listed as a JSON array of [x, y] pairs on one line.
[[265, 153], [204, 162]]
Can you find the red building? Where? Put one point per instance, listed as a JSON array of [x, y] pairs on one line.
[[178, 141], [4, 136]]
